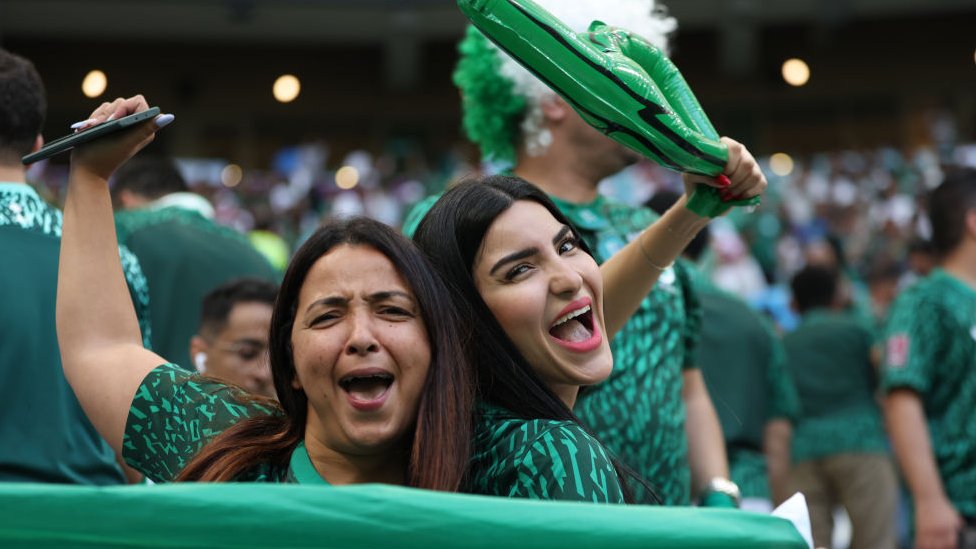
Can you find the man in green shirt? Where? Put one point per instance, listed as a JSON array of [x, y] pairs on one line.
[[744, 366], [653, 412], [45, 434], [930, 374], [839, 451], [183, 252]]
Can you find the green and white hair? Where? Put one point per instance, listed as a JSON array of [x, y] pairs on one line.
[[501, 101]]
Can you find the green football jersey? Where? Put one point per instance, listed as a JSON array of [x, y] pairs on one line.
[[829, 357], [175, 413], [931, 349], [45, 434], [744, 367], [638, 412], [540, 459]]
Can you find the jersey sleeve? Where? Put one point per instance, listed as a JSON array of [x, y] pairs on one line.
[[693, 316], [138, 291], [417, 214], [912, 346], [563, 462], [174, 414]]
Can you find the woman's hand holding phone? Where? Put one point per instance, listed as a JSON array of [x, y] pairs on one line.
[[103, 156]]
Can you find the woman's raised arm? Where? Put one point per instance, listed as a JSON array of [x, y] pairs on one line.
[[101, 346], [630, 274]]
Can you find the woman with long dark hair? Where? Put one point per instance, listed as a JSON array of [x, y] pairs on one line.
[[537, 297], [365, 353]]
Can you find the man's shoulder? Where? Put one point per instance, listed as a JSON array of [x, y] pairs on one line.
[[931, 294]]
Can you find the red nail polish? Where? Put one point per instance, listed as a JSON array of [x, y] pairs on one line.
[[723, 180]]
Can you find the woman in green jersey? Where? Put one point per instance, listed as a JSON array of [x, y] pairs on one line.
[[544, 313], [364, 349]]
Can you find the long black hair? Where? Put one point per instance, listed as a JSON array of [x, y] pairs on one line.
[[440, 445], [452, 234]]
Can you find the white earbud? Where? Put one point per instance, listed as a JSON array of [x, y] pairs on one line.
[[200, 361]]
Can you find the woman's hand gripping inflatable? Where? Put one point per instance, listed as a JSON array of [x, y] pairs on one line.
[[622, 85]]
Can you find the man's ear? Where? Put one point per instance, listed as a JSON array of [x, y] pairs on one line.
[[38, 143], [555, 109], [128, 200], [970, 220]]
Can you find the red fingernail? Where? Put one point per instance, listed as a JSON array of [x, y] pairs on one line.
[[723, 180]]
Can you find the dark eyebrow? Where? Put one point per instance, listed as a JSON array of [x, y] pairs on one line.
[[515, 256], [338, 301], [331, 301], [561, 235], [528, 252], [380, 296]]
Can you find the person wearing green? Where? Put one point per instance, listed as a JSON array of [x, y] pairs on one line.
[[540, 459], [368, 369], [930, 374], [655, 404], [545, 313], [46, 436], [738, 347], [840, 452], [183, 252]]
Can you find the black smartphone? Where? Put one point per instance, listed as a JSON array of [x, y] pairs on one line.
[[72, 140]]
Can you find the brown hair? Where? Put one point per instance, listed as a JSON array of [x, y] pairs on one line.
[[440, 444]]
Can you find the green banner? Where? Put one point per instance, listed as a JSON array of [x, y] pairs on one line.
[[357, 517]]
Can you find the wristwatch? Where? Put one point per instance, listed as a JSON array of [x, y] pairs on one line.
[[719, 485]]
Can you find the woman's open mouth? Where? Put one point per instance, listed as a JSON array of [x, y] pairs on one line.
[[576, 329], [367, 390]]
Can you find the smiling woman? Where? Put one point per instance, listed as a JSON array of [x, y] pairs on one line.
[[546, 313], [536, 294], [364, 351]]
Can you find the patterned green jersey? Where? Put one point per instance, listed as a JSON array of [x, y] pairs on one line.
[[540, 459], [931, 349], [175, 413], [638, 412], [829, 356], [744, 366], [46, 436]]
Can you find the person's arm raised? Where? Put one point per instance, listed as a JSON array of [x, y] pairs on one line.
[[101, 345], [631, 273]]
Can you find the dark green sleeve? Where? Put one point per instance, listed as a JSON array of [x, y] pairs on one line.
[[693, 316], [913, 347], [563, 462], [417, 214], [174, 414]]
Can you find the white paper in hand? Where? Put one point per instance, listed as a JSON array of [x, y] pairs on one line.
[[795, 510]]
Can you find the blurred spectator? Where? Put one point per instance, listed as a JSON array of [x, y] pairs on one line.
[[232, 341], [46, 435], [737, 349], [921, 257], [183, 253], [839, 446], [930, 374]]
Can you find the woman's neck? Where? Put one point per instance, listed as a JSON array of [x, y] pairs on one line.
[[566, 393], [339, 468]]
